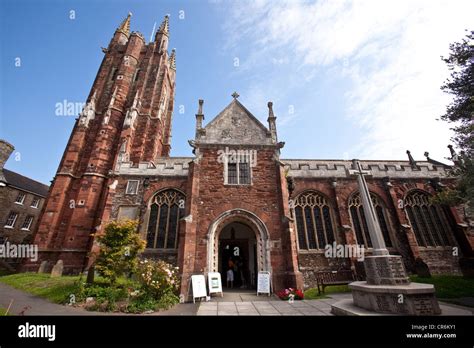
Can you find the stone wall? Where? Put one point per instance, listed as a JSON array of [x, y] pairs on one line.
[[440, 260], [312, 262], [391, 191], [16, 234], [209, 198], [169, 256], [133, 79]]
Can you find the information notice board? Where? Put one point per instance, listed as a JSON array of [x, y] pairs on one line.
[[198, 283], [215, 283], [263, 283]]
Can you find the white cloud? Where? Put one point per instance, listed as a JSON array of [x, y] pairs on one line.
[[389, 51]]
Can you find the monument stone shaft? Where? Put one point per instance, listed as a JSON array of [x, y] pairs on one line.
[[387, 288]]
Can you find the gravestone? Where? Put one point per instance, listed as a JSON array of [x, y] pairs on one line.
[[90, 275], [43, 267], [422, 269], [57, 269]]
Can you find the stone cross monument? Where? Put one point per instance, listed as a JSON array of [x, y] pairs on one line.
[[369, 210], [387, 288]]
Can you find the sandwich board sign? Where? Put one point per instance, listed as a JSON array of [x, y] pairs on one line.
[[215, 283], [263, 283], [198, 283]]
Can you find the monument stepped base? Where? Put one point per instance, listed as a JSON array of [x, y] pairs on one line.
[[404, 299], [348, 308]]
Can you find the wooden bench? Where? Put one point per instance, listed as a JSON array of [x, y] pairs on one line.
[[328, 278]]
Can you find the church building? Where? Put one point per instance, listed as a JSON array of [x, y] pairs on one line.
[[235, 201]]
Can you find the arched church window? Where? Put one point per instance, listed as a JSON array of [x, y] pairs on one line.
[[428, 220], [163, 223], [359, 222], [314, 222]]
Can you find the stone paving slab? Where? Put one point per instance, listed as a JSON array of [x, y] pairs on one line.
[[244, 304]]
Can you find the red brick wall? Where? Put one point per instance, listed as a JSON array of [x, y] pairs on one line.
[[439, 260], [92, 151], [208, 198]]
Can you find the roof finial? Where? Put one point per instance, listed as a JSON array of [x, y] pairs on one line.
[[172, 60], [235, 95], [270, 110], [411, 160], [451, 150], [125, 25], [272, 123], [201, 101], [165, 25], [199, 118]]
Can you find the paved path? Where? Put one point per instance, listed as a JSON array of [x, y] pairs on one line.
[[32, 305], [233, 303], [264, 306], [27, 304]]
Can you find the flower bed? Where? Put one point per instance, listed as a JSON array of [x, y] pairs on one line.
[[289, 293]]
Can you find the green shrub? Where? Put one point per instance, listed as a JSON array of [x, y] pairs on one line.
[[142, 303], [119, 250], [105, 296]]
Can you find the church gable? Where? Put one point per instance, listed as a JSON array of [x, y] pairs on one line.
[[236, 125]]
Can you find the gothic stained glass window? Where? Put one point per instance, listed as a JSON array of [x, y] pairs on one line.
[[313, 221], [427, 220], [163, 222], [359, 222]]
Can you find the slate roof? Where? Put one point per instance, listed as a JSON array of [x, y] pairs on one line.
[[23, 183]]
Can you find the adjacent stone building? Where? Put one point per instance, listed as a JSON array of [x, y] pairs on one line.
[[235, 203], [21, 201]]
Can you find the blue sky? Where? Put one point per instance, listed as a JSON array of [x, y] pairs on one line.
[[348, 79]]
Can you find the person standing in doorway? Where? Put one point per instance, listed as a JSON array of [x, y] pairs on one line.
[[230, 278], [242, 275]]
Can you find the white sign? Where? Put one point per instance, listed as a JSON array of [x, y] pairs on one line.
[[199, 286], [263, 283], [215, 283]]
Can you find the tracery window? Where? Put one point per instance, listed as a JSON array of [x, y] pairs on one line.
[[359, 222], [428, 220], [314, 222], [166, 209]]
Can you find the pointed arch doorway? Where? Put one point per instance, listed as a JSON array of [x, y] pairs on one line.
[[237, 252], [238, 240]]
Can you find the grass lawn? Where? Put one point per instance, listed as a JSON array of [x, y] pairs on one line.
[[56, 290], [312, 294], [2, 311], [447, 286], [3, 272]]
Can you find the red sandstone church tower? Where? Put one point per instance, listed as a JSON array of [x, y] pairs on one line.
[[127, 117]]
